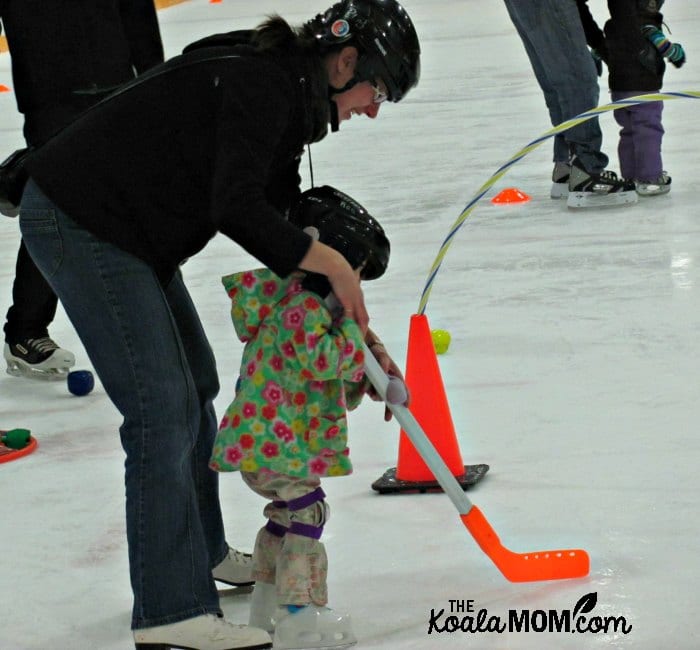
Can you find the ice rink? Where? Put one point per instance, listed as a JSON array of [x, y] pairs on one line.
[[573, 372]]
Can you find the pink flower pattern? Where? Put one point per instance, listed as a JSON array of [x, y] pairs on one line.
[[249, 410], [273, 393], [318, 466], [269, 288], [269, 449], [248, 280], [283, 432], [233, 455], [293, 318]]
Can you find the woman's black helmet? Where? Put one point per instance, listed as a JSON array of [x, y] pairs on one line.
[[384, 35]]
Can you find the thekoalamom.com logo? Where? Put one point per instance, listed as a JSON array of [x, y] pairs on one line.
[[463, 617]]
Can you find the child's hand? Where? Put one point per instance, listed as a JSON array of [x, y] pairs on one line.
[[397, 391], [674, 52], [676, 55], [390, 368]]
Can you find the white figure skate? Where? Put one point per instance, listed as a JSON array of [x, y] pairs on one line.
[[205, 632], [235, 569]]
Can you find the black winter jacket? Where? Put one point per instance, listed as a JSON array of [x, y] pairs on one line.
[[208, 141], [67, 55], [633, 61]]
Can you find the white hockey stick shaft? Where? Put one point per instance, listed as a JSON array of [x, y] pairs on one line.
[[381, 381]]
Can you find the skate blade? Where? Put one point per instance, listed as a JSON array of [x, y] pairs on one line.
[[316, 641], [658, 191], [591, 200], [19, 370]]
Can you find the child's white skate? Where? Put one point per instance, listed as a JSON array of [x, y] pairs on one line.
[[263, 606], [312, 627], [38, 359], [662, 185]]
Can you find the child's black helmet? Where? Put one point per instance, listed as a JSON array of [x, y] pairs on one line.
[[384, 35], [343, 224]]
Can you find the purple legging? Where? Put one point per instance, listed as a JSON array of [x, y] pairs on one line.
[[639, 149]]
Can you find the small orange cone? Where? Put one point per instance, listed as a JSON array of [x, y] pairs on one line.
[[510, 195], [430, 408], [4, 89]]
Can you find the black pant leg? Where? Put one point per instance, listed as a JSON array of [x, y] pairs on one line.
[[33, 301]]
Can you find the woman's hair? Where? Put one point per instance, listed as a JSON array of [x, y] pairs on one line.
[[276, 34]]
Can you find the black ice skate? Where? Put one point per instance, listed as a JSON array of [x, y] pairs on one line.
[[38, 359], [560, 180], [588, 190]]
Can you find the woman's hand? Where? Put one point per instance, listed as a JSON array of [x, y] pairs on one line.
[[346, 285]]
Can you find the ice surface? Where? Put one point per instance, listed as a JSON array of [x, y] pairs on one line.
[[573, 372]]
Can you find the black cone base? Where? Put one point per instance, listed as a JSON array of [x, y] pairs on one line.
[[389, 483]]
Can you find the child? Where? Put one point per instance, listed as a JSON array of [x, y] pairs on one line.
[[634, 47], [302, 367]]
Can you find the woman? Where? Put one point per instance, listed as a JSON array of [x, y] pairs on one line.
[[207, 142]]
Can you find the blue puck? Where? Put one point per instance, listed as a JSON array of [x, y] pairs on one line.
[[80, 382]]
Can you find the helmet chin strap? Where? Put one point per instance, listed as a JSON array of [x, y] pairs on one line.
[[335, 120], [335, 126]]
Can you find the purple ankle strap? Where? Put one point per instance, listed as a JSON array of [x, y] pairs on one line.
[[278, 530], [305, 530], [307, 500]]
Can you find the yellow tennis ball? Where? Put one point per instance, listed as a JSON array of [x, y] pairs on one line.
[[441, 340]]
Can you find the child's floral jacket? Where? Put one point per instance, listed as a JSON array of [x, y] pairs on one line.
[[300, 372]]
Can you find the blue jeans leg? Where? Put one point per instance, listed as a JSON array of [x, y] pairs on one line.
[[554, 41], [202, 364], [149, 350]]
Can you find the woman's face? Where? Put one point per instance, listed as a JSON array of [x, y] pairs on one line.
[[363, 98]]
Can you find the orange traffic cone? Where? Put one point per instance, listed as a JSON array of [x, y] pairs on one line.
[[510, 195], [430, 408]]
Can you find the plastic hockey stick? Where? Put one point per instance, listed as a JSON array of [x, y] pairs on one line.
[[516, 567]]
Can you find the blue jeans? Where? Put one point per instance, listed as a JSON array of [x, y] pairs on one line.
[[639, 148], [553, 37], [147, 345]]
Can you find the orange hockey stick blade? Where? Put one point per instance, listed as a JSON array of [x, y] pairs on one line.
[[516, 567], [525, 567]]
